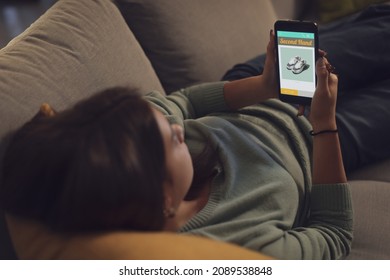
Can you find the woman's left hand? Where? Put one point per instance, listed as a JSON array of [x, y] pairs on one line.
[[270, 78], [255, 89]]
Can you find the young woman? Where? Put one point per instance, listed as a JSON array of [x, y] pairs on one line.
[[225, 160]]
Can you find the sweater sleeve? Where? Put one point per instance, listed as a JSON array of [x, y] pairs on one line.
[[192, 102], [328, 231]]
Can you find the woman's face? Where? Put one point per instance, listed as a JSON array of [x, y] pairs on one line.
[[178, 161]]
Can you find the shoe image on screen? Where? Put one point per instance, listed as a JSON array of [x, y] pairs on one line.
[[297, 65], [294, 60]]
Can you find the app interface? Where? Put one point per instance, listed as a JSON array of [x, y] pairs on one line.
[[296, 63]]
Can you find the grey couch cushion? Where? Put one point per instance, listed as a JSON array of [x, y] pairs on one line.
[[379, 171], [371, 223], [77, 48], [196, 41]]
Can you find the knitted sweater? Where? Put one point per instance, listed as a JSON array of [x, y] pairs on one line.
[[261, 197]]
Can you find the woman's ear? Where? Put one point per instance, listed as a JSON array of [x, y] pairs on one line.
[[169, 211]]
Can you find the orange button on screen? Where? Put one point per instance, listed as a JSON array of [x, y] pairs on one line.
[[289, 91]]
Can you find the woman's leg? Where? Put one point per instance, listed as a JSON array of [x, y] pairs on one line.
[[359, 47], [250, 68], [363, 120]]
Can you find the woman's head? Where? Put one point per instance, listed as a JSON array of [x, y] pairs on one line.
[[104, 164], [178, 163]]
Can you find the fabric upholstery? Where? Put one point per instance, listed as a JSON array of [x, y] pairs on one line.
[[76, 55], [193, 41], [374, 172], [372, 226]]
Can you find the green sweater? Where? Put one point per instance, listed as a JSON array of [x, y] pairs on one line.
[[262, 197]]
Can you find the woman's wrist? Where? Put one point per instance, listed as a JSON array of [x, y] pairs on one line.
[[268, 89], [324, 125]]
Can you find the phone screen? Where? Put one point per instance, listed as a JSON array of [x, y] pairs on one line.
[[296, 64]]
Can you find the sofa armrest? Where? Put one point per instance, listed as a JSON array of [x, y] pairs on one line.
[[77, 48], [190, 42]]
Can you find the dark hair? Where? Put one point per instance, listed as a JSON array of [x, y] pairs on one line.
[[59, 170]]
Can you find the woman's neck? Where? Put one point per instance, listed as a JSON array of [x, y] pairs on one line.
[[189, 208]]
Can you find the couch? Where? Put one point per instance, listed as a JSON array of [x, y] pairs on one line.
[[80, 47]]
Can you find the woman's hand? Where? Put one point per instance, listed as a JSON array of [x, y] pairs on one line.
[[323, 106], [252, 90], [328, 165], [270, 78]]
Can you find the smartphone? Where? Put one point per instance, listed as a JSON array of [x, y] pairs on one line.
[[297, 52]]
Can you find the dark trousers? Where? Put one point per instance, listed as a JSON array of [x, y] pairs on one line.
[[359, 48]]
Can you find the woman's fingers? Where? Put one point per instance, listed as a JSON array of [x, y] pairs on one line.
[[322, 74]]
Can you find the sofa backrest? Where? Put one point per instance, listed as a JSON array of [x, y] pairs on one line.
[[197, 41]]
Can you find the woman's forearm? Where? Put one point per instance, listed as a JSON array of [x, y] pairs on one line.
[[328, 167], [246, 92]]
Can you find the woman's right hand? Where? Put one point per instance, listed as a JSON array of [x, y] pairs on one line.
[[323, 106], [328, 165]]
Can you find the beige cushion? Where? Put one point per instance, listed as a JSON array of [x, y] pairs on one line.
[[77, 48], [193, 41], [287, 9], [371, 222], [33, 241]]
